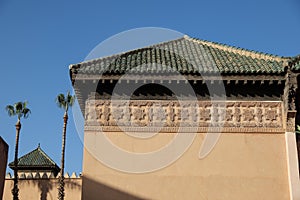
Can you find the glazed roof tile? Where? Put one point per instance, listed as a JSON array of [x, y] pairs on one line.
[[188, 56], [36, 158]]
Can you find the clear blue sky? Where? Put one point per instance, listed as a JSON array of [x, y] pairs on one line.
[[39, 39]]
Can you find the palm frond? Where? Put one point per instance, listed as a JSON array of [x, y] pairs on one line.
[[25, 104], [18, 106], [70, 99], [60, 101], [65, 102], [10, 110], [20, 109], [26, 112]]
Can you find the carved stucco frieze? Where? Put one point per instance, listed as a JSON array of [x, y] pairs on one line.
[[146, 113]]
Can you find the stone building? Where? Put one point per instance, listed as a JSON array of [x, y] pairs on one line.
[[241, 111], [3, 159], [38, 178]]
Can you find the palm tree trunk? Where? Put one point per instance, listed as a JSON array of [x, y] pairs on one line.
[[61, 189], [15, 190]]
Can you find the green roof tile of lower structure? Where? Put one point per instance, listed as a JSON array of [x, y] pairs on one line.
[[187, 56], [35, 159]]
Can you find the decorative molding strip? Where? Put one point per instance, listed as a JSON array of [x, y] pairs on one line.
[[163, 78], [185, 129], [149, 115]]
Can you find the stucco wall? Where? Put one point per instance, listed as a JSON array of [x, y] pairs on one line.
[[3, 163], [249, 161], [241, 166], [44, 189]]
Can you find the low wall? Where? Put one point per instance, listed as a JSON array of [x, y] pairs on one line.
[[44, 188]]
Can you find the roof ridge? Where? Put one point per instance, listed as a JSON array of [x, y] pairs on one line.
[[26, 154], [41, 150], [242, 51]]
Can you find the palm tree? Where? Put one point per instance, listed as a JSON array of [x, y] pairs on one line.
[[20, 110], [64, 102]]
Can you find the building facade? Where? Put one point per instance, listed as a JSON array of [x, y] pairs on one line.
[[230, 112]]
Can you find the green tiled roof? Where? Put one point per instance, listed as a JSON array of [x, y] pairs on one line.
[[187, 56], [35, 159]]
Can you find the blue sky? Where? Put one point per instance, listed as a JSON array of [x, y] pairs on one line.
[[39, 39]]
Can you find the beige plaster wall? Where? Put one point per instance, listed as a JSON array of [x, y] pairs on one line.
[[293, 166], [43, 189], [3, 163], [241, 166]]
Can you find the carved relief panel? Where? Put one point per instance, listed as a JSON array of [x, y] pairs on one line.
[[145, 113]]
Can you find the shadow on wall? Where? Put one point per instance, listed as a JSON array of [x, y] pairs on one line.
[[48, 187], [45, 186], [93, 190]]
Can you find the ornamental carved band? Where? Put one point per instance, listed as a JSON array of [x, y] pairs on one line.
[[147, 113]]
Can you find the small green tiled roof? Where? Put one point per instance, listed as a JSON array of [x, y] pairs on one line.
[[187, 56], [35, 159]]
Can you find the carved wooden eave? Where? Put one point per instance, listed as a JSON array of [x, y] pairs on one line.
[[91, 81], [184, 77]]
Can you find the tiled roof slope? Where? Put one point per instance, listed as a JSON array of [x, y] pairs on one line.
[[187, 56], [35, 159]]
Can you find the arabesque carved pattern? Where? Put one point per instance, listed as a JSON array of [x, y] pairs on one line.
[[139, 113]]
